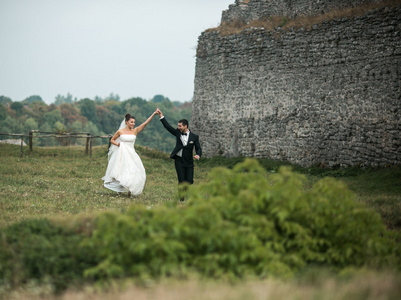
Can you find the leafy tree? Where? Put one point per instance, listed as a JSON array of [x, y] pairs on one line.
[[59, 127], [3, 112], [115, 97], [59, 99], [132, 103], [70, 114], [47, 141], [111, 97], [70, 99], [76, 127], [93, 130], [88, 109], [46, 127], [105, 117], [17, 107], [30, 124], [31, 99], [115, 106], [177, 103], [11, 125], [52, 117], [64, 99], [36, 110], [159, 99], [5, 100], [109, 120]]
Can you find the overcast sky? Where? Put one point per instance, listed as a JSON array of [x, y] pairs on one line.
[[133, 48]]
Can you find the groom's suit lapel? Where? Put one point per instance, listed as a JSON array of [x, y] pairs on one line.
[[179, 137]]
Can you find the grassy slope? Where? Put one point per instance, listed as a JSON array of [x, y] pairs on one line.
[[63, 181], [51, 182]]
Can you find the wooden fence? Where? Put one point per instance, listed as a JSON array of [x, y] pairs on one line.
[[30, 135]]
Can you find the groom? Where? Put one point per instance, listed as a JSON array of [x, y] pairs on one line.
[[182, 154]]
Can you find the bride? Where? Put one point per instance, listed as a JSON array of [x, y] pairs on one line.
[[125, 171]]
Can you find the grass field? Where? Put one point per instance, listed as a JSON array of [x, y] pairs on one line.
[[64, 185], [63, 182]]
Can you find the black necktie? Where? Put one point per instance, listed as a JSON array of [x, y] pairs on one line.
[[183, 134]]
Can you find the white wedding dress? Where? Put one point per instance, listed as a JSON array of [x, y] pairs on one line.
[[125, 171]]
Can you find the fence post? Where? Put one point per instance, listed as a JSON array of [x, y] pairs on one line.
[[87, 143], [90, 143], [22, 142], [30, 140]]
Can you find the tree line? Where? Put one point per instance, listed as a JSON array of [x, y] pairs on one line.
[[96, 116]]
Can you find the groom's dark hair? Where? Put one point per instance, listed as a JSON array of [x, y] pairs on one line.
[[184, 122]]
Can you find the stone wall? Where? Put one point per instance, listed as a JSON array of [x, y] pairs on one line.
[[247, 11], [330, 95]]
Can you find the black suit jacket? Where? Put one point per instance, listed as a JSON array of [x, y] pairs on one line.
[[187, 151]]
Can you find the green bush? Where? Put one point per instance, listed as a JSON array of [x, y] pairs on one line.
[[41, 251], [323, 225], [242, 222]]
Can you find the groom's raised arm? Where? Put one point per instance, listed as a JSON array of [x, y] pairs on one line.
[[166, 125]]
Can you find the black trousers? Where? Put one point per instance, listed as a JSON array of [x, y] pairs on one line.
[[185, 173]]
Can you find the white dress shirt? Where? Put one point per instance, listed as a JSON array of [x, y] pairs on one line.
[[184, 140]]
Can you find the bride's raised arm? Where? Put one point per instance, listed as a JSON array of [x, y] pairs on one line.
[[142, 126]]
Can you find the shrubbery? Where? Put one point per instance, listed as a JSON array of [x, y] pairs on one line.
[[39, 250], [244, 222], [241, 222]]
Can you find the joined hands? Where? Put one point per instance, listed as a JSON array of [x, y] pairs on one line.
[[159, 112]]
